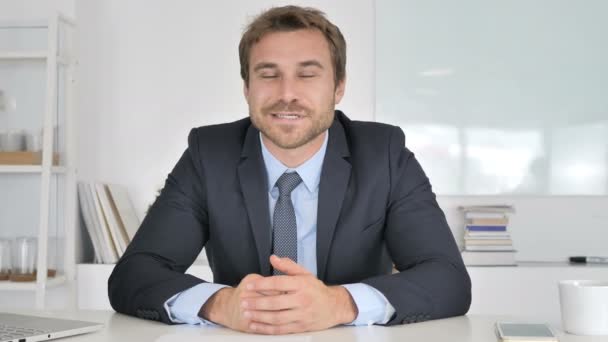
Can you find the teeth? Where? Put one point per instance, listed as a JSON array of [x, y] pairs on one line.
[[287, 116]]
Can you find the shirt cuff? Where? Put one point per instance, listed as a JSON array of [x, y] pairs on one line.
[[185, 306], [373, 306]]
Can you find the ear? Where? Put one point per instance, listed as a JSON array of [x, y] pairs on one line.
[[339, 92], [245, 90]]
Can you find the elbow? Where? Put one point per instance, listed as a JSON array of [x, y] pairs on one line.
[[118, 290], [461, 299]]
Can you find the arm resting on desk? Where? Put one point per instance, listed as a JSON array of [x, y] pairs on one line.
[[170, 238], [433, 281]]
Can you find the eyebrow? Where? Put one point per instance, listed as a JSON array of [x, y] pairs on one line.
[[265, 65], [311, 62], [268, 65]]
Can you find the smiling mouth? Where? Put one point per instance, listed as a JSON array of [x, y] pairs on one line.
[[287, 116]]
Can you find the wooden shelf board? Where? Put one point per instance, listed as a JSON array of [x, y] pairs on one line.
[[24, 158], [30, 286]]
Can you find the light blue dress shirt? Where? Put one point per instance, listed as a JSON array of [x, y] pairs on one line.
[[373, 307]]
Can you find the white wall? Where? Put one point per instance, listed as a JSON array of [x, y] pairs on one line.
[[15, 10], [152, 70]]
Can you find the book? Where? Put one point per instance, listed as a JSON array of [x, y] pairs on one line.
[[483, 234], [119, 238], [486, 228], [499, 208], [484, 215], [489, 258], [88, 218], [505, 236], [500, 242], [128, 219], [487, 248], [487, 221], [107, 245]]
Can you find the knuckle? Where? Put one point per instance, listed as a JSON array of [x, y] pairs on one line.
[[250, 276], [305, 300]]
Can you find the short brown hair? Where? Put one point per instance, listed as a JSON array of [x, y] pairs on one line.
[[291, 18]]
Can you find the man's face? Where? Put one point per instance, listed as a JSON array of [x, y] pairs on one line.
[[291, 92]]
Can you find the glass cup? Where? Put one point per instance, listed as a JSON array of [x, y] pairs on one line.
[[12, 140], [5, 259], [25, 254], [33, 141]]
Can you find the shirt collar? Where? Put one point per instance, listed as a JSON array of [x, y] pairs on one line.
[[309, 171]]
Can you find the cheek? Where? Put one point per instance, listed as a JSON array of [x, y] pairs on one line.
[[260, 96]]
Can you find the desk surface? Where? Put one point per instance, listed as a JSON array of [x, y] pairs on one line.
[[120, 327]]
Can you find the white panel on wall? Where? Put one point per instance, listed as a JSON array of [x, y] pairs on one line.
[[498, 98]]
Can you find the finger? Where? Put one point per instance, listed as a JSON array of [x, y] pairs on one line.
[[255, 294], [287, 266], [274, 283], [273, 317], [251, 277], [269, 329], [271, 303]]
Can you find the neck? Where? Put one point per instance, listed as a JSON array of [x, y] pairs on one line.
[[295, 157]]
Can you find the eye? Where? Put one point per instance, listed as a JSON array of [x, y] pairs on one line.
[[307, 75], [269, 76]]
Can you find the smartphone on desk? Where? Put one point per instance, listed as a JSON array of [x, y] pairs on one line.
[[524, 332]]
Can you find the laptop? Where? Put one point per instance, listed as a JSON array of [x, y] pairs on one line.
[[21, 328]]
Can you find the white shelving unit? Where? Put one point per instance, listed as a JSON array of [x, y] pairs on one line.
[[59, 62]]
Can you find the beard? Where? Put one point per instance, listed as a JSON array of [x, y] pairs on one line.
[[292, 136]]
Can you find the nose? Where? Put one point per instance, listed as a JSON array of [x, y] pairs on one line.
[[288, 90]]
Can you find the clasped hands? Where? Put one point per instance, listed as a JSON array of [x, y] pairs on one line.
[[291, 303]]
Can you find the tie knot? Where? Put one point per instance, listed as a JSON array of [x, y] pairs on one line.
[[287, 182]]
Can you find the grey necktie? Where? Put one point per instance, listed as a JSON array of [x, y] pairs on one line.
[[284, 229]]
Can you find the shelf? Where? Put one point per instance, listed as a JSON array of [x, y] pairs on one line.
[[57, 198], [30, 169], [32, 55], [27, 24], [31, 286], [541, 264], [15, 55]]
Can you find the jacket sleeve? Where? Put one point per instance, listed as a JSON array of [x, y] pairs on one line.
[[168, 241], [432, 281]]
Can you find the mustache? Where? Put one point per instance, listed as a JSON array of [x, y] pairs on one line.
[[282, 106]]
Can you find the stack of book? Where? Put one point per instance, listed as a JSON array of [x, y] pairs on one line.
[[109, 217], [487, 241]]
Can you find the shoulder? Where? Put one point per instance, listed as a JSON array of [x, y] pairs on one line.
[[218, 145], [223, 137], [221, 132]]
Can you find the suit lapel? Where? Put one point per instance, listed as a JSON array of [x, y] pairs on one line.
[[253, 179], [335, 175]]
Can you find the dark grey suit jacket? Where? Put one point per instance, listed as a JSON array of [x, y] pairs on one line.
[[376, 208]]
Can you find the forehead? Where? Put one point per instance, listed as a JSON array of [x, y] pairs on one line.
[[291, 47]]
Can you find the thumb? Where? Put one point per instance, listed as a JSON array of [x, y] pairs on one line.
[[287, 266]]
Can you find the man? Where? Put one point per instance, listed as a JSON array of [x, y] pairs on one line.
[[302, 211]]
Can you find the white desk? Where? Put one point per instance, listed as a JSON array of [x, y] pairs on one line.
[[476, 328]]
